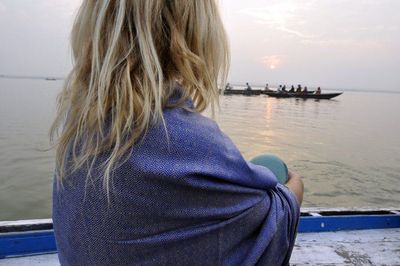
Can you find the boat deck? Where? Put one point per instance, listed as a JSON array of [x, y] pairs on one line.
[[362, 247], [365, 247]]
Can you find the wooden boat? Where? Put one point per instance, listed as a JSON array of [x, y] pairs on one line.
[[276, 94], [326, 236], [319, 96], [242, 92], [327, 96], [266, 92]]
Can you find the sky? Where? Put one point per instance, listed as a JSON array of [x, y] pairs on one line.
[[338, 44]]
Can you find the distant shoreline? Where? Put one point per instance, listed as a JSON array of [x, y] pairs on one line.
[[30, 77], [236, 84]]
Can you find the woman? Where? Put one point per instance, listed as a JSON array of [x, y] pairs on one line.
[[142, 178]]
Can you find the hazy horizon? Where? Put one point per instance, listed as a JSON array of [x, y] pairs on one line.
[[329, 43]]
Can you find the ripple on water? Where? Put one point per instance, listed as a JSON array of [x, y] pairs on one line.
[[328, 142], [347, 150]]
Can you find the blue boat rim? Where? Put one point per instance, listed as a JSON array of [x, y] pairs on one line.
[[33, 237]]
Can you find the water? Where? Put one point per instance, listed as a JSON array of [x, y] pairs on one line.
[[27, 108], [347, 150]]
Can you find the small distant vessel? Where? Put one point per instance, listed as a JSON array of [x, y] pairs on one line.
[[242, 92], [278, 94], [51, 79]]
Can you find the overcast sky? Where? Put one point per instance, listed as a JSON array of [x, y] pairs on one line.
[[352, 44]]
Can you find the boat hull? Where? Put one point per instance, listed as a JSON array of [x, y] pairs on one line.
[[242, 92], [325, 96], [278, 94]]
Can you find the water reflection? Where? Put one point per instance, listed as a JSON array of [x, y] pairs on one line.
[[329, 142]]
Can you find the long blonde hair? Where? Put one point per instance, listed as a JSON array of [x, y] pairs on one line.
[[128, 56]]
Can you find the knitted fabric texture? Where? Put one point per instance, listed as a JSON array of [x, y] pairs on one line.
[[183, 198]]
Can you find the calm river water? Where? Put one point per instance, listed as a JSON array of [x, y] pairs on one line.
[[347, 149]]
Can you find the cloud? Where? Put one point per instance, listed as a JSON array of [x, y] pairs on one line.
[[327, 24], [66, 8], [284, 16], [355, 45], [3, 7]]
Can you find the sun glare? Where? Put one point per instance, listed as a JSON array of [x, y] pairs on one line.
[[272, 61]]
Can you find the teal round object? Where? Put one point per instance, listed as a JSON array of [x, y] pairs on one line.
[[273, 163]]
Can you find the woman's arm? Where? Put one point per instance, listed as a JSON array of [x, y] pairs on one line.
[[295, 184]]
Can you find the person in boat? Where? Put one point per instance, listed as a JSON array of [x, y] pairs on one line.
[[299, 89], [267, 87], [292, 89], [284, 88], [142, 177], [318, 91], [228, 87], [248, 87], [305, 91]]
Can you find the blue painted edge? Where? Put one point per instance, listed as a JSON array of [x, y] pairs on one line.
[[42, 242], [23, 244], [347, 222]]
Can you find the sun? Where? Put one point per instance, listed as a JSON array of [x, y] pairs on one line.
[[272, 61]]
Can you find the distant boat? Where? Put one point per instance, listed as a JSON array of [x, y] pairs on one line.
[[327, 96], [268, 91], [51, 79], [277, 94], [242, 92]]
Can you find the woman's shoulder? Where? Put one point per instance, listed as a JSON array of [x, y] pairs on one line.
[[183, 124]]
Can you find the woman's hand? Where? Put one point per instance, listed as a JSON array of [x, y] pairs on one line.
[[295, 184]]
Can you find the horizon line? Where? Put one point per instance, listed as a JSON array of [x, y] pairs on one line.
[[242, 84]]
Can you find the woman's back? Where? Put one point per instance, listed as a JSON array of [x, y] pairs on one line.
[[189, 199]]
